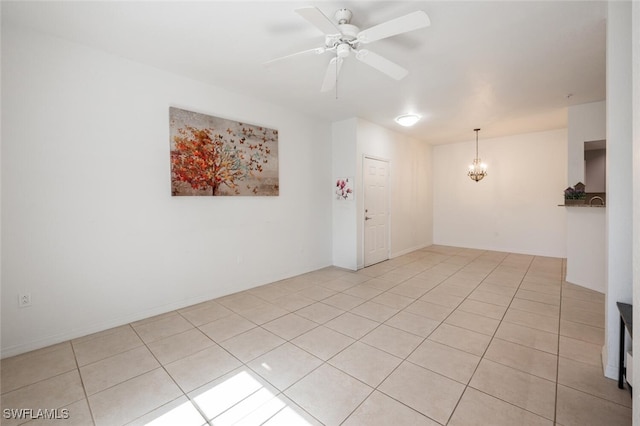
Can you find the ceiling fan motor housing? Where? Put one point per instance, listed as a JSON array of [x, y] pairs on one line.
[[343, 16], [349, 32]]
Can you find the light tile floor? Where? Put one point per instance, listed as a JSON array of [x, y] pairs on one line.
[[442, 335]]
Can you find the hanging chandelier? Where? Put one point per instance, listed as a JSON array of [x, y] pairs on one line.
[[478, 169]]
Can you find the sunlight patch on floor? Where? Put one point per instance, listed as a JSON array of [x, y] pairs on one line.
[[239, 400]]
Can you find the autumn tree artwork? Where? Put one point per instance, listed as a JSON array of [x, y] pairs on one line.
[[212, 156]]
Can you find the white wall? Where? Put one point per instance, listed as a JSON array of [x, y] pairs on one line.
[[636, 194], [515, 208], [586, 247], [619, 176], [586, 122], [586, 227], [345, 247], [89, 225], [595, 170], [410, 183]]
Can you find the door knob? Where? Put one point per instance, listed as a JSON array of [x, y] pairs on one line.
[[367, 218]]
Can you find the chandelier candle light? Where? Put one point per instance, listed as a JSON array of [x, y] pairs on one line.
[[478, 169]]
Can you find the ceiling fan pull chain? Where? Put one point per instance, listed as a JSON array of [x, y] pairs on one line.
[[337, 60]]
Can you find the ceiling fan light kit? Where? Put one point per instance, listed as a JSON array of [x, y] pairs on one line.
[[342, 38]]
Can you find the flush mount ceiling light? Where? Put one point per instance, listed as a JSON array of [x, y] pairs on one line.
[[478, 169], [407, 120]]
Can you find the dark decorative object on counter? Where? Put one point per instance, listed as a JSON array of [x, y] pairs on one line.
[[575, 195]]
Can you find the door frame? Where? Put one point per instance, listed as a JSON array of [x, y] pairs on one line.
[[362, 207]]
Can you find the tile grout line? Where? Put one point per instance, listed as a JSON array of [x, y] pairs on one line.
[[373, 389], [323, 362], [167, 373], [84, 389], [326, 362], [467, 385], [405, 359], [562, 280], [184, 393], [245, 365], [582, 391], [557, 355], [320, 301]]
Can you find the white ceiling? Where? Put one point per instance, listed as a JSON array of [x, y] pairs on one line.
[[506, 67]]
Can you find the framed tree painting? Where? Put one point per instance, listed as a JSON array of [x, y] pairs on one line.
[[212, 156]]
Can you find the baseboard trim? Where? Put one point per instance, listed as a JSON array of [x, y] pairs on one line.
[[610, 371], [45, 341], [409, 250]]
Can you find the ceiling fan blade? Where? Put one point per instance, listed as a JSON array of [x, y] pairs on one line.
[[319, 20], [384, 65], [403, 24], [317, 51], [330, 76]]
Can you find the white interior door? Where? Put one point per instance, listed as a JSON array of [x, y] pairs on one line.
[[376, 211]]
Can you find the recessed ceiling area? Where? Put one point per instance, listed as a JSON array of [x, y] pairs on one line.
[[503, 66]]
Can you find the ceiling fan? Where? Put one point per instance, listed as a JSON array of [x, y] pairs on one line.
[[343, 39]]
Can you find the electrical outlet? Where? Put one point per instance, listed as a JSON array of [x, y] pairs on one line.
[[24, 300]]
